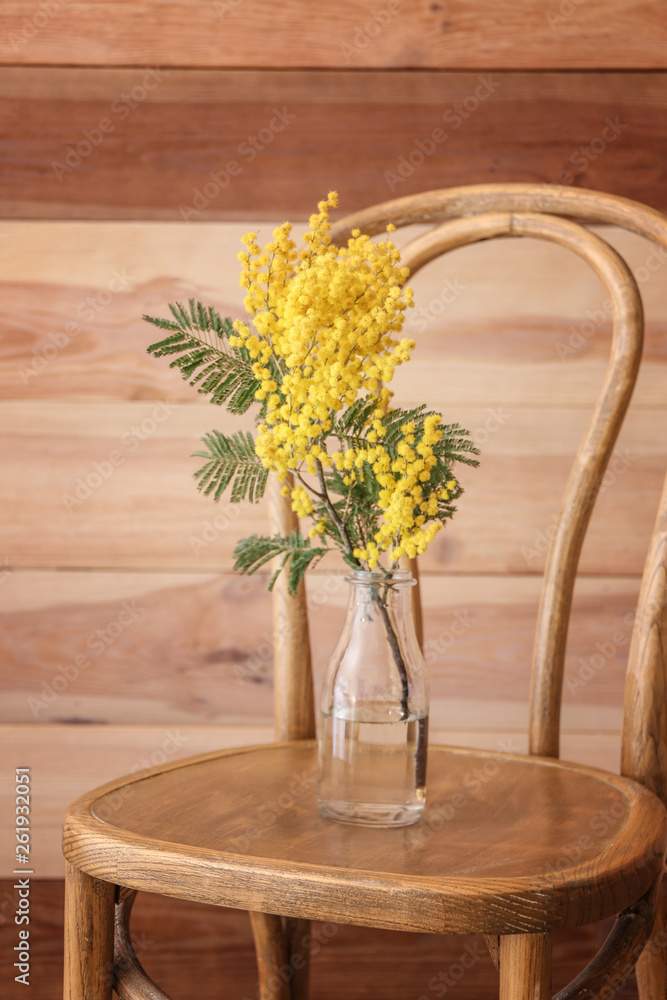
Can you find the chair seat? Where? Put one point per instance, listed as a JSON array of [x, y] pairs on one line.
[[507, 843]]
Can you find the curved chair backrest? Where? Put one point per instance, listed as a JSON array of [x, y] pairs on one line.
[[462, 216]]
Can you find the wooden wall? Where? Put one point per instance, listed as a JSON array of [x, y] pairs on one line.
[[141, 141]]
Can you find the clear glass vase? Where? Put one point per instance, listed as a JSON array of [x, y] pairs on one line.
[[374, 709]]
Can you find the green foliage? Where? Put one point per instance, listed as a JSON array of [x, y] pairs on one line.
[[205, 358], [456, 446], [298, 554], [351, 425], [359, 508], [231, 460]]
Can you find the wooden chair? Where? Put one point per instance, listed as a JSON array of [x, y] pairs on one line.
[[199, 829]]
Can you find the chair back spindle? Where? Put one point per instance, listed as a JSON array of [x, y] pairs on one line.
[[644, 740], [294, 709]]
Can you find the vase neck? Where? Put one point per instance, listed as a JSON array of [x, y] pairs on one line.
[[393, 590]]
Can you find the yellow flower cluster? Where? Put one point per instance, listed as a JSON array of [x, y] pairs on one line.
[[324, 320], [407, 499]]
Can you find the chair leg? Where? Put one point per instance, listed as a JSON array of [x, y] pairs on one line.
[[271, 950], [297, 934], [651, 966], [524, 963], [89, 913]]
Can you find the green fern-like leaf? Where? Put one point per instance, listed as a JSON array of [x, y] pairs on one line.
[[298, 554], [200, 344], [351, 422], [455, 446], [231, 460]]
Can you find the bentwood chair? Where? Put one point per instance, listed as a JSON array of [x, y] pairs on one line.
[[195, 829]]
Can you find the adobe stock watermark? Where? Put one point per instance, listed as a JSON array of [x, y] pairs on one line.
[[566, 9], [224, 7], [212, 528], [267, 814], [606, 651], [596, 318], [86, 311], [171, 745], [119, 110], [600, 824], [309, 945], [366, 33], [493, 421], [618, 465], [440, 985], [247, 150], [619, 639], [96, 643], [473, 782], [581, 157], [257, 668], [455, 117], [461, 622], [31, 26], [422, 316], [614, 984], [89, 482]]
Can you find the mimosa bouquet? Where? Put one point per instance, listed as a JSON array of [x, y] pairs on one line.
[[315, 359]]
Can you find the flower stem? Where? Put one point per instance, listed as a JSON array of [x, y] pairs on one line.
[[398, 657], [389, 628], [331, 510]]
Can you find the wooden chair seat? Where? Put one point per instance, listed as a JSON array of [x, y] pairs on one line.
[[507, 843]]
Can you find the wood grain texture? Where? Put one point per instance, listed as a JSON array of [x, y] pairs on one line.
[[443, 204], [598, 34], [644, 738], [652, 963], [644, 749], [80, 474], [208, 639], [88, 937], [197, 145], [524, 963], [265, 847], [130, 979], [298, 938], [172, 936], [293, 699], [615, 962], [519, 325], [272, 956]]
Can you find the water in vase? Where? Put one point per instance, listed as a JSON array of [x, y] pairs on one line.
[[372, 768]]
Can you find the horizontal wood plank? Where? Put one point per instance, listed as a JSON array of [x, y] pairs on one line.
[[66, 761], [507, 323], [182, 649], [221, 144], [97, 486], [541, 34]]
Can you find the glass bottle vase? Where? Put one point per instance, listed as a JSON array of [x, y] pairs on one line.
[[374, 709]]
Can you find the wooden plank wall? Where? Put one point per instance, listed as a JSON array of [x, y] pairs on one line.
[[141, 141]]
